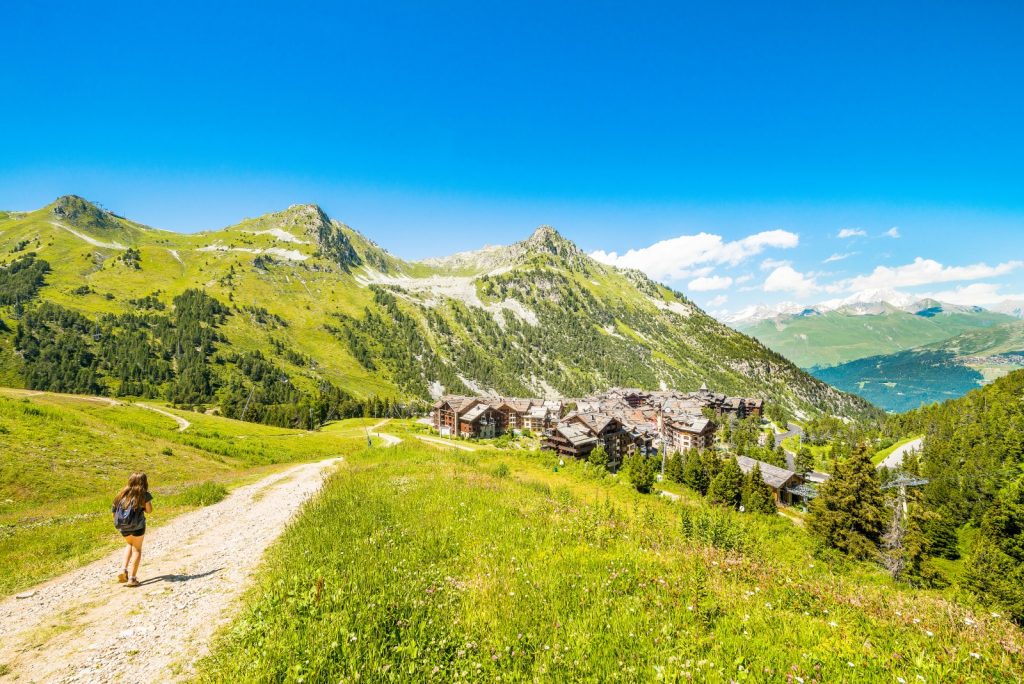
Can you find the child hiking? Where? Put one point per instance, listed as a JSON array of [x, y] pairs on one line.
[[129, 509]]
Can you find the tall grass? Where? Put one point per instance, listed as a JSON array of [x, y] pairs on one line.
[[427, 566]]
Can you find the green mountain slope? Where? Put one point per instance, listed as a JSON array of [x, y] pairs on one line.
[[935, 372], [822, 339], [293, 318]]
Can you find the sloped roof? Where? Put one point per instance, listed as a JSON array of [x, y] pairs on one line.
[[475, 412], [576, 434], [774, 476]]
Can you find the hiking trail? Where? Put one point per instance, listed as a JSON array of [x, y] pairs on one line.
[[85, 627]]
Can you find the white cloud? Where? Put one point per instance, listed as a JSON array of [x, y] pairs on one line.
[[924, 272], [788, 279], [769, 264], [838, 257], [719, 300], [851, 232], [976, 294], [745, 278], [710, 283], [674, 259], [893, 232]]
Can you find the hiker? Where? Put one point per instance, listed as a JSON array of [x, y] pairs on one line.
[[129, 509]]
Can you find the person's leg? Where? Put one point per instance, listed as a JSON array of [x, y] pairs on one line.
[[123, 577], [136, 543]]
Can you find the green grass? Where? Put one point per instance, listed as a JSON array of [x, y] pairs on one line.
[[423, 564], [204, 494], [822, 454], [882, 454], [65, 457]]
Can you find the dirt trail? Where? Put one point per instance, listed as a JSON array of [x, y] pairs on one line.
[[451, 444], [182, 423], [391, 440], [84, 627]]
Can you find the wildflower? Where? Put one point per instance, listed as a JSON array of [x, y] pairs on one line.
[[929, 633], [833, 624], [849, 663], [969, 622], [901, 680], [976, 656]]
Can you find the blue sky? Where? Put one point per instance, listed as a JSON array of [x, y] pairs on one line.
[[436, 127]]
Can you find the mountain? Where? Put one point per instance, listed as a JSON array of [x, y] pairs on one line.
[[293, 317], [942, 370], [865, 325]]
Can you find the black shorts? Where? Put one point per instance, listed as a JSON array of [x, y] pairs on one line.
[[133, 533]]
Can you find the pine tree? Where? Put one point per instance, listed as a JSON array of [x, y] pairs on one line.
[[642, 472], [727, 487], [694, 475], [940, 534], [675, 467], [804, 460], [757, 495], [849, 512]]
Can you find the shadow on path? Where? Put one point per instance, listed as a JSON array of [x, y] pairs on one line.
[[177, 578]]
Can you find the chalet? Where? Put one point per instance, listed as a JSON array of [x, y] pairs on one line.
[[511, 413], [479, 421], [448, 410], [683, 432], [570, 440], [779, 480], [537, 419]]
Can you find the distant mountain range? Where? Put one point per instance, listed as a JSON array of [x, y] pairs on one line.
[[894, 349], [272, 315]]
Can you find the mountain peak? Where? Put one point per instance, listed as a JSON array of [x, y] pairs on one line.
[[73, 207], [548, 240]]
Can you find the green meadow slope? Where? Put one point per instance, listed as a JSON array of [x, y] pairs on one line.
[[935, 372], [531, 571], [837, 337], [64, 457], [294, 318]]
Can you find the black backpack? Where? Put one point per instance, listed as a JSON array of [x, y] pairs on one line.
[[129, 519]]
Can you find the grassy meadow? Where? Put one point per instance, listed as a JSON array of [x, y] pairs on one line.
[[425, 563], [64, 457]]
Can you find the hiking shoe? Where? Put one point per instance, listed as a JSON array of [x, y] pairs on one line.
[[123, 577], [133, 582]]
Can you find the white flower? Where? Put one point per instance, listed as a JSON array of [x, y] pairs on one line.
[[901, 680], [976, 656], [849, 663], [833, 624], [928, 632], [968, 621]]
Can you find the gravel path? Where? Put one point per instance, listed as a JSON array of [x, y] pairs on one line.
[[84, 627], [182, 423]]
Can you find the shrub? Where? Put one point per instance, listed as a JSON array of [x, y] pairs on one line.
[[599, 457], [502, 470], [712, 527]]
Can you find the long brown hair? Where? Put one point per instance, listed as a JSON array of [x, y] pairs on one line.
[[134, 494]]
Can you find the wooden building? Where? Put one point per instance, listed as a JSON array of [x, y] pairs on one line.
[[683, 432], [779, 480]]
